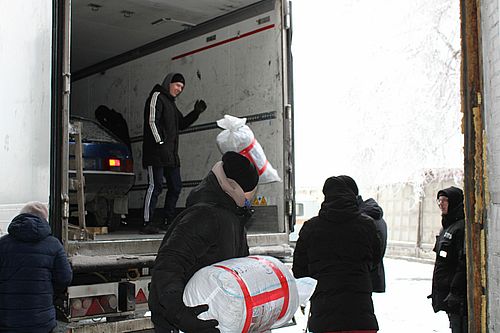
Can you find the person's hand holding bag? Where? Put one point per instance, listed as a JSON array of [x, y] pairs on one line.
[[188, 320]]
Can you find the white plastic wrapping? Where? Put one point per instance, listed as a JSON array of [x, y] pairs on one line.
[[238, 137], [305, 287], [250, 294]]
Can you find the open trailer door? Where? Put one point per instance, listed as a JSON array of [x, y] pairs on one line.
[[25, 90]]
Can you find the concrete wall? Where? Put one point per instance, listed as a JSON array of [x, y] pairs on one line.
[[412, 216], [411, 213], [491, 80]]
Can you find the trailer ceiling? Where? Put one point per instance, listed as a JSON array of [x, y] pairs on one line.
[[102, 29]]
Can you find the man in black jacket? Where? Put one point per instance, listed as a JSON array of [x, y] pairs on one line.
[[209, 230], [449, 283], [371, 208], [162, 122], [33, 265]]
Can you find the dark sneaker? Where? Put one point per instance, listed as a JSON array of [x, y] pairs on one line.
[[149, 229]]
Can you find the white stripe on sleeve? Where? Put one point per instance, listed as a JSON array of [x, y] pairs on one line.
[[152, 116]]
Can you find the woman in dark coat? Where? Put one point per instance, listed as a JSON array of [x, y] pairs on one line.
[[338, 248], [33, 266]]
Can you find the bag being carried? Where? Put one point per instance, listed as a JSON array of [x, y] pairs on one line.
[[250, 294], [238, 137]]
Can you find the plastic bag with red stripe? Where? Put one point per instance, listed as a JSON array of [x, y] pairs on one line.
[[238, 137], [250, 294]]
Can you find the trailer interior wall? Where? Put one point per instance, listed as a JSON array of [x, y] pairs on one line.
[[237, 70], [25, 69], [491, 74]]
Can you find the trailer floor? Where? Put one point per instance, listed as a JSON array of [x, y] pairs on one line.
[[126, 234]]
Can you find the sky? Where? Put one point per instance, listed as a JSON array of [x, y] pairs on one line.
[[376, 88]]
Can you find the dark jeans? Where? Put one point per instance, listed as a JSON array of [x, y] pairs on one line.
[[174, 187], [155, 181], [458, 323]]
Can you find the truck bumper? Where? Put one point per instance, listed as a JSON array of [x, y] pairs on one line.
[[141, 324]]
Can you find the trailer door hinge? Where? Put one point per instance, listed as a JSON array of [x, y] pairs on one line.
[[288, 111], [67, 82], [65, 206], [289, 207], [288, 15]]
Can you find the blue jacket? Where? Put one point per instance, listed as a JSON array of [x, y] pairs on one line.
[[32, 265]]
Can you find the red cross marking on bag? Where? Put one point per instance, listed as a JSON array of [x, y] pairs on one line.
[[262, 298]]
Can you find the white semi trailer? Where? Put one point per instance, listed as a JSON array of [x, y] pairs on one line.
[[65, 58]]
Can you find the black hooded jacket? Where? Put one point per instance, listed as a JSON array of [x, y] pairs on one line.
[[450, 268], [371, 208], [32, 265], [162, 122], [209, 230], [338, 248]]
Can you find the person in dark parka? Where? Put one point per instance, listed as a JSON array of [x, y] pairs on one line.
[[33, 265], [449, 282], [371, 208], [338, 248], [160, 146], [209, 230]]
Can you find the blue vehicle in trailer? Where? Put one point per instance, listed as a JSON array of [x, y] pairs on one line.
[[108, 168]]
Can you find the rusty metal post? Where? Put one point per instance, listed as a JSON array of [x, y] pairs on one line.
[[474, 162]]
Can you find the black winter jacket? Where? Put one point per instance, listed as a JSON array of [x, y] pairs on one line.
[[371, 208], [450, 267], [338, 248], [32, 265], [209, 230], [162, 122]]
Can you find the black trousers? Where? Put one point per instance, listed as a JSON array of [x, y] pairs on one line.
[[155, 180], [458, 323]]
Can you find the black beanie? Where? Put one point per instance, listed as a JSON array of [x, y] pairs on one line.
[[350, 183], [340, 186], [178, 78], [239, 168]]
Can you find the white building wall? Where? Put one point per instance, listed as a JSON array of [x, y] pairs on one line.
[[491, 68]]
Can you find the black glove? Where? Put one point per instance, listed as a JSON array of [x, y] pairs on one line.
[[200, 106], [453, 302], [188, 321]]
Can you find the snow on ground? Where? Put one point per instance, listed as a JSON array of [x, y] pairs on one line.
[[404, 307]]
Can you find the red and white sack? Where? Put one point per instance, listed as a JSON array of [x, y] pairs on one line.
[[250, 294], [238, 137]]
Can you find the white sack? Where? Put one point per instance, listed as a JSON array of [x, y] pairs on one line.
[[262, 284], [305, 288], [238, 137]]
